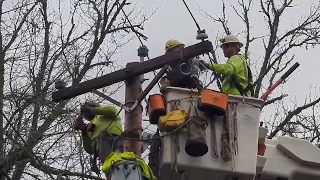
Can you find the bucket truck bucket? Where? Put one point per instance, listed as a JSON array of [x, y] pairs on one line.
[[234, 157]]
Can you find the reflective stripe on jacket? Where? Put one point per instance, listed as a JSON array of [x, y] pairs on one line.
[[235, 65]]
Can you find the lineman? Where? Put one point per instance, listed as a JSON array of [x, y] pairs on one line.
[[174, 77], [101, 132], [236, 74]]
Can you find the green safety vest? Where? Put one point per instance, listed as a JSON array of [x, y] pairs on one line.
[[236, 76], [113, 126], [118, 157]]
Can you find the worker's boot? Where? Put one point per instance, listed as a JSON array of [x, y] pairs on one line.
[[196, 144]]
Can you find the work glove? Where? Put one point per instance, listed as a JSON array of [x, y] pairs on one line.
[[79, 124], [203, 65], [85, 109]]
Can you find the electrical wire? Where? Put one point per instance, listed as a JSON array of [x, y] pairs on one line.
[[26, 144], [149, 139], [212, 60], [194, 19], [138, 36]]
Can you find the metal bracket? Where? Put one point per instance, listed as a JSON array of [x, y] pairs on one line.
[[126, 108]]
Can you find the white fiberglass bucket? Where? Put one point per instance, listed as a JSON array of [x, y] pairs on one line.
[[244, 161]]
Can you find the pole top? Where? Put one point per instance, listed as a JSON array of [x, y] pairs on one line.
[[60, 84], [143, 51], [201, 35]]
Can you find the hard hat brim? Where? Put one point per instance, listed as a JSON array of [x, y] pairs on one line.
[[175, 46], [240, 44]]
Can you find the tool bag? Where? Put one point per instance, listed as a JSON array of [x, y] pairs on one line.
[[213, 102], [196, 144], [156, 108], [171, 121]]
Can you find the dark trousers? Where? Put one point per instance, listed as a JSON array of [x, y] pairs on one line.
[[105, 144]]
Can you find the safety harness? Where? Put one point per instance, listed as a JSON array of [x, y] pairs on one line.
[[243, 92]]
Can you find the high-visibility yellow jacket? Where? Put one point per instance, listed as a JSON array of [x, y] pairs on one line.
[[105, 120], [235, 65], [108, 121], [113, 158]]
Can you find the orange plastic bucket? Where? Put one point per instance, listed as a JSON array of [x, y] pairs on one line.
[[214, 102], [156, 108]]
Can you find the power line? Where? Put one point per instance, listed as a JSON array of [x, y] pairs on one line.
[[212, 60], [26, 144], [138, 36], [194, 19]]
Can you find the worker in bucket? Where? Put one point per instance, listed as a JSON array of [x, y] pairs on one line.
[[99, 135], [177, 76], [236, 74]]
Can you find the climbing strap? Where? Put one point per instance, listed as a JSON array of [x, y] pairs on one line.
[[243, 92]]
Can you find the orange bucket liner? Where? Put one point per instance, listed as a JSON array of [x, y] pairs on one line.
[[213, 102], [156, 108]]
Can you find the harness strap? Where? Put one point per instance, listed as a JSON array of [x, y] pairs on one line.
[[249, 87]]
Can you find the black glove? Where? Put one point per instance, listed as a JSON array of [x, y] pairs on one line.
[[203, 64], [85, 109], [79, 124]]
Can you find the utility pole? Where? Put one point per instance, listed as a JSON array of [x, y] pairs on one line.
[[133, 119]]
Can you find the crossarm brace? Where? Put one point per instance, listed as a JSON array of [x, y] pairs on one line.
[[152, 83], [110, 99]]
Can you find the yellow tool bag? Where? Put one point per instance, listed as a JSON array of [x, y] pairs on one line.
[[171, 121]]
